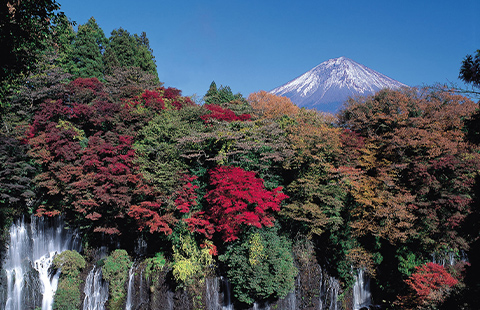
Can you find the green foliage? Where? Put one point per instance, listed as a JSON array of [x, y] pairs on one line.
[[16, 176], [260, 266], [68, 295], [86, 59], [115, 271], [470, 69], [154, 264], [159, 156], [70, 262], [126, 50], [408, 262], [192, 264], [221, 95], [24, 27]]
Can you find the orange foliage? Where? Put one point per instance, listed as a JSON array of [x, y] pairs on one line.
[[266, 105]]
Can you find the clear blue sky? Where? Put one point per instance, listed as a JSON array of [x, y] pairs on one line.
[[259, 45]]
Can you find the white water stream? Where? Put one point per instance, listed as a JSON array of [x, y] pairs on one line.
[[30, 252]]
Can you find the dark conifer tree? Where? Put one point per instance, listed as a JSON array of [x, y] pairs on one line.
[[88, 48]]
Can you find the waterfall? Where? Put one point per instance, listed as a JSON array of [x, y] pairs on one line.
[[30, 252], [131, 282], [329, 291], [361, 291], [214, 300], [257, 306], [96, 290], [290, 301], [227, 290], [212, 294]]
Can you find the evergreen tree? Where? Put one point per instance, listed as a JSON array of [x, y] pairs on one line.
[[145, 59], [222, 95], [24, 25], [63, 36], [121, 50], [211, 93], [88, 47], [126, 50], [470, 70]]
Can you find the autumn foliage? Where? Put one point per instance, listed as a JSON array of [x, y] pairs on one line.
[[222, 114], [239, 198], [384, 185], [268, 105]]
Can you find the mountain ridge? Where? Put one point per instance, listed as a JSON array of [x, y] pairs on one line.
[[329, 84]]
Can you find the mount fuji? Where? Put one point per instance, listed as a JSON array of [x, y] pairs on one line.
[[327, 86]]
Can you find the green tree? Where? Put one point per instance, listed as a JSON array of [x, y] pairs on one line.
[[115, 271], [68, 295], [221, 95], [24, 27], [159, 155], [126, 50], [470, 69], [145, 58], [87, 51], [260, 265], [63, 36]]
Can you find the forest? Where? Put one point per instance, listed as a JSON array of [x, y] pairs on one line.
[[252, 189]]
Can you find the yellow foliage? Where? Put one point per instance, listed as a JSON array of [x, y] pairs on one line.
[[256, 249], [191, 264]]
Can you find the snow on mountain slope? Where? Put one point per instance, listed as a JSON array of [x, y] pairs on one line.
[[329, 84]]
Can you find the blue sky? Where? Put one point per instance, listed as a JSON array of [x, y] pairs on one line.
[[259, 45]]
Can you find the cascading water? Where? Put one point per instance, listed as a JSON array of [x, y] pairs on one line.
[[329, 291], [213, 297], [131, 282], [28, 259], [227, 291], [96, 290], [361, 291], [212, 294]]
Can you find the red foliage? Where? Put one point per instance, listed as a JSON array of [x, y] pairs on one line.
[[85, 83], [239, 198], [198, 223], [146, 217], [186, 194], [221, 114], [84, 89], [172, 93], [152, 99], [431, 281]]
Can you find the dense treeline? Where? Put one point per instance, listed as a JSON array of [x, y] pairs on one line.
[[242, 186]]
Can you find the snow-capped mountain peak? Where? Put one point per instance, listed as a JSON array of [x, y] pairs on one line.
[[329, 84]]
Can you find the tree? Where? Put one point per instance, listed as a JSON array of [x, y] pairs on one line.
[[316, 194], [260, 265], [470, 69], [416, 171], [23, 27], [237, 199], [86, 59], [126, 50], [266, 105], [16, 180], [430, 284], [220, 95]]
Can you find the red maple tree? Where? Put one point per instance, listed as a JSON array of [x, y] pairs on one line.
[[237, 198]]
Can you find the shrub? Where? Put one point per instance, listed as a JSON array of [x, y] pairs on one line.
[[115, 271], [68, 295]]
